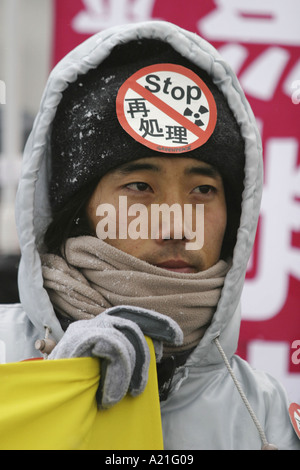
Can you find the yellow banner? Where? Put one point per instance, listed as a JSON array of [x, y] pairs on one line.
[[51, 405]]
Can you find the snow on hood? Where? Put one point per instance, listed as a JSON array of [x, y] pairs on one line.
[[32, 205]]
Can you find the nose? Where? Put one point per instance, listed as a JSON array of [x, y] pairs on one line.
[[172, 228], [167, 220]]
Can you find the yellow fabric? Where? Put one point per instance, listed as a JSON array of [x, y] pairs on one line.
[[49, 405]]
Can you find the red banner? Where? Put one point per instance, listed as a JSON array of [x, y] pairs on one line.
[[261, 41]]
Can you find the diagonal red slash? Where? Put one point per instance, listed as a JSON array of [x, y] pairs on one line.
[[165, 108]]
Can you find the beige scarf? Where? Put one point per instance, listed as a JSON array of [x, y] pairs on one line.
[[97, 276]]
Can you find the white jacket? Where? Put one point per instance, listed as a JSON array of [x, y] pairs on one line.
[[204, 409]]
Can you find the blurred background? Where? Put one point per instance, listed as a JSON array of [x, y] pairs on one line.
[[26, 35], [261, 41]]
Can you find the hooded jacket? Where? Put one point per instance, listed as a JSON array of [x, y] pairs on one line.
[[204, 409]]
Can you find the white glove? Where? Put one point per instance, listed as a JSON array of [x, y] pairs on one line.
[[116, 336]]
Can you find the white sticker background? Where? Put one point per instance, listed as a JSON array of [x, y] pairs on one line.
[[179, 92], [156, 126]]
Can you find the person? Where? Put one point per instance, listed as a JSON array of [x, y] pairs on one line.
[[136, 118]]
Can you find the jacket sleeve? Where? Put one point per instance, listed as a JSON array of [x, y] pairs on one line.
[[17, 335]]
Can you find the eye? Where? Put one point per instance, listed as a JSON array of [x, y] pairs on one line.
[[139, 186], [205, 189]]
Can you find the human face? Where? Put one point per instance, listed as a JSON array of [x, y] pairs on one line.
[[166, 180]]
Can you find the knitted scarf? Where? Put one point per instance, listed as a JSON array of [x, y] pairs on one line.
[[95, 276]]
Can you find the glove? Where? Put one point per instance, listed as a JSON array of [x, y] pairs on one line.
[[116, 336]]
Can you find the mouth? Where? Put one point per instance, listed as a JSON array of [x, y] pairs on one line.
[[177, 266]]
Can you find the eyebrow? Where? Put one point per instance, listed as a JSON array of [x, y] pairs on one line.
[[209, 171], [135, 166], [202, 170]]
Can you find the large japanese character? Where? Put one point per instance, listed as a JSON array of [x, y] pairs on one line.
[[280, 216], [99, 14], [272, 22], [255, 21]]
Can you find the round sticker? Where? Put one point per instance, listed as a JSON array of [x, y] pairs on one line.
[[167, 108]]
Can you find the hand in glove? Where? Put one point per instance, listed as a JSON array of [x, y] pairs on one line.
[[116, 336]]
